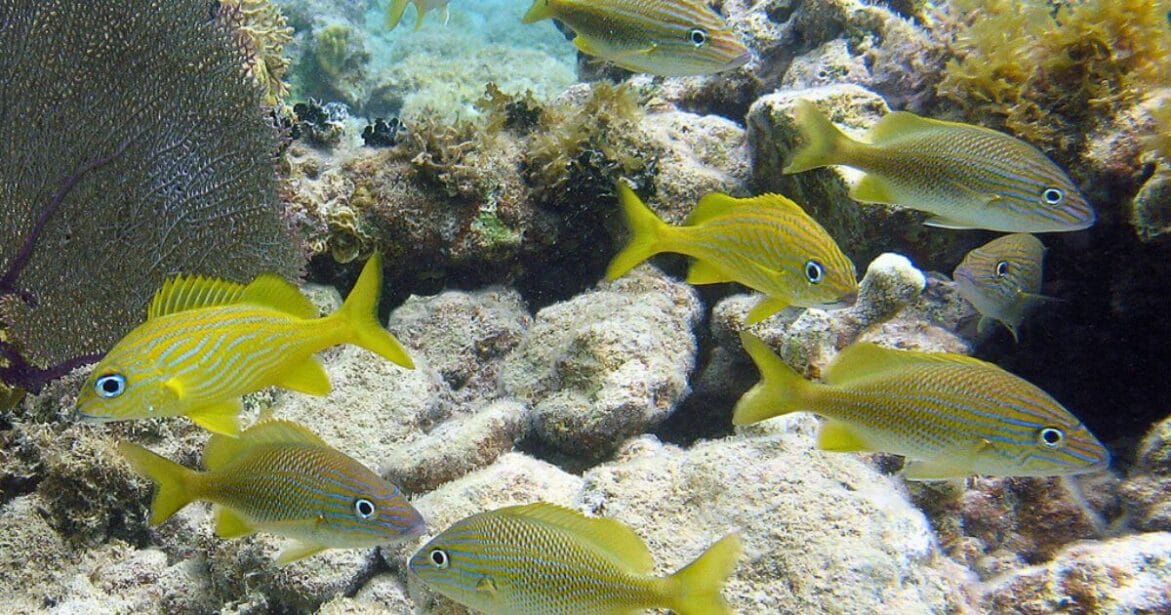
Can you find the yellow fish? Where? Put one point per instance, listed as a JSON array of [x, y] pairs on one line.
[[660, 37], [767, 243], [206, 342], [395, 13], [967, 176], [542, 559], [1002, 280], [951, 415], [279, 477]]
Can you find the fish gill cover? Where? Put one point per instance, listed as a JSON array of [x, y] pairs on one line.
[[133, 146]]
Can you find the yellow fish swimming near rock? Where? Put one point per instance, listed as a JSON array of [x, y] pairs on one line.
[[279, 477], [207, 341], [967, 176], [951, 415], [660, 37], [394, 13], [542, 559], [1002, 280], [767, 243]]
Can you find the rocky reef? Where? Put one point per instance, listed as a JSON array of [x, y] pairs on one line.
[[494, 204]]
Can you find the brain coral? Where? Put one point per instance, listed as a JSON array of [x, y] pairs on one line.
[[133, 146]]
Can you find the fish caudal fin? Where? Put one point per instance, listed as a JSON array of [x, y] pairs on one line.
[[780, 390], [172, 480], [395, 13], [646, 233], [538, 11], [700, 582], [360, 313], [824, 143]]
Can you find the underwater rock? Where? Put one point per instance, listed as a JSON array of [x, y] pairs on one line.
[[698, 154], [607, 364], [1130, 574], [34, 559], [382, 595], [822, 532], [375, 407], [458, 446], [465, 335], [994, 525], [1146, 494], [119, 579], [1150, 209], [864, 230]]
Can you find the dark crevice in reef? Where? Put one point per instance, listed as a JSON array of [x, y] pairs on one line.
[[1100, 351]]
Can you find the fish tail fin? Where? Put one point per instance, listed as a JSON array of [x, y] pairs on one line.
[[646, 231], [419, 15], [172, 491], [700, 582], [538, 11], [780, 390], [394, 14], [360, 313], [824, 142]]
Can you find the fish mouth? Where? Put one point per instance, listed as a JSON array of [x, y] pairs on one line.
[[83, 417], [741, 59], [845, 301]]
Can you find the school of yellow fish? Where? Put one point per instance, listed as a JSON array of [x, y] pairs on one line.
[[206, 342]]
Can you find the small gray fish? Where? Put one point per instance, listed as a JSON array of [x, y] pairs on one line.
[[1002, 280]]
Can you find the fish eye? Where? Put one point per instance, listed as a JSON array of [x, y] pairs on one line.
[[364, 508], [110, 385], [814, 272], [698, 37], [1050, 437], [1052, 196], [439, 558], [1002, 269]]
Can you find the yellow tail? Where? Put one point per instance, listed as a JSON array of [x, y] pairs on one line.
[[780, 390], [538, 11], [700, 582], [360, 313], [394, 13], [824, 143], [173, 480], [646, 231]]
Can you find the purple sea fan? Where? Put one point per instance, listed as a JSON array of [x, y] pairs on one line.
[[133, 146]]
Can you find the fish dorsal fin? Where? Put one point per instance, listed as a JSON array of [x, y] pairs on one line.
[[863, 361], [278, 293], [221, 450], [711, 205], [610, 537], [904, 124], [184, 292]]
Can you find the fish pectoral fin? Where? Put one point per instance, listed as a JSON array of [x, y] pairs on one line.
[[838, 437], [486, 584], [765, 308], [228, 524], [307, 377], [175, 388], [873, 189], [584, 45], [954, 462], [222, 418], [942, 222], [702, 272], [297, 551]]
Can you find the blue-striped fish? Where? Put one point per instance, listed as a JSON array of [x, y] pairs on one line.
[[951, 415], [767, 243], [279, 477], [660, 37], [394, 13], [1002, 280], [206, 342], [542, 559], [967, 176]]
